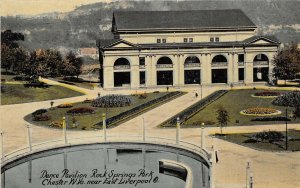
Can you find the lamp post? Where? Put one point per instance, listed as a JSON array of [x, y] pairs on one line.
[[201, 90], [202, 135]]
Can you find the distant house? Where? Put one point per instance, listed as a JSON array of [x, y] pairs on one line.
[[179, 48], [90, 52]]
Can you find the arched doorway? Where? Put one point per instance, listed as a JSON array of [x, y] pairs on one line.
[[192, 70], [219, 69], [121, 73], [164, 72], [260, 68]]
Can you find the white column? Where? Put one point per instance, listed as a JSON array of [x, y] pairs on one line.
[[135, 73], [104, 126], [176, 70], [181, 70], [109, 77], [230, 69], [206, 69], [178, 131], [235, 68], [29, 138], [148, 70], [248, 68], [144, 130], [153, 72], [65, 130]]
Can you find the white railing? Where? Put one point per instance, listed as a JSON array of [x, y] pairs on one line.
[[121, 67], [187, 65], [164, 66], [241, 63], [102, 138], [219, 64], [258, 63], [142, 66]]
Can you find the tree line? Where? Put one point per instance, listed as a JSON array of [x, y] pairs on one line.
[[45, 63]]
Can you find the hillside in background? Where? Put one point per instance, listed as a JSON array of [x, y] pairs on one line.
[[81, 27]]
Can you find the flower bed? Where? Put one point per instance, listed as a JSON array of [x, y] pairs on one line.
[[278, 118], [65, 105], [266, 94], [112, 101], [260, 111], [81, 111], [41, 117]]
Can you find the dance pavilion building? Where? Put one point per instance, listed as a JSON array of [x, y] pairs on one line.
[[180, 48]]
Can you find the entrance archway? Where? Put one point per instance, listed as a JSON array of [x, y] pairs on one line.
[[121, 72], [219, 69], [261, 68], [192, 70], [164, 72]]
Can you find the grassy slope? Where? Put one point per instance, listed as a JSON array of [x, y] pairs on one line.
[[293, 145], [17, 93], [235, 101]]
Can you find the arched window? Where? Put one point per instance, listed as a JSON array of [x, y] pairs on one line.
[[164, 60], [192, 59], [261, 57], [121, 61], [219, 59]]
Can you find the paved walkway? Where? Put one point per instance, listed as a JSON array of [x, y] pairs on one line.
[[270, 169]]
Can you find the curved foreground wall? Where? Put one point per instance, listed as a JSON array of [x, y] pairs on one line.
[[115, 164]]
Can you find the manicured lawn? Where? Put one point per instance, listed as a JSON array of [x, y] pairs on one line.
[[79, 83], [244, 139], [234, 101], [89, 121], [17, 93]]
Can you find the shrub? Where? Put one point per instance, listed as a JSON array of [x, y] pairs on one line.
[[259, 111], [36, 84], [55, 124], [41, 117], [112, 101], [267, 93], [39, 112], [3, 89], [87, 101], [65, 105], [291, 99], [269, 136], [279, 118], [81, 110], [143, 96], [155, 91]]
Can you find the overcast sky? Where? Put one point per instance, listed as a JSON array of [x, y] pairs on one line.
[[33, 7]]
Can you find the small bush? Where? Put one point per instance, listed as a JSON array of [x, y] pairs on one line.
[[155, 91], [87, 101], [81, 110], [55, 124], [143, 96], [3, 89], [39, 112], [65, 105], [279, 118], [269, 136], [41, 117]]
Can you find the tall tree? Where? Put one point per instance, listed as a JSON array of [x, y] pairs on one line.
[[287, 63], [72, 65], [9, 38], [222, 117]]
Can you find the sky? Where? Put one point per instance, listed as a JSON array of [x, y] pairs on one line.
[[33, 7]]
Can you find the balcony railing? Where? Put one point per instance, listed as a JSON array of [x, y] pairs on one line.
[[242, 63], [142, 66], [187, 65], [219, 64], [259, 63], [164, 66], [121, 67]]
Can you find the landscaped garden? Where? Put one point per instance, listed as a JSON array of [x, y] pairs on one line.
[[87, 115], [242, 107], [266, 140]]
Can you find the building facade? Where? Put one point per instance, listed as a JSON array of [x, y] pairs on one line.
[[181, 48]]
